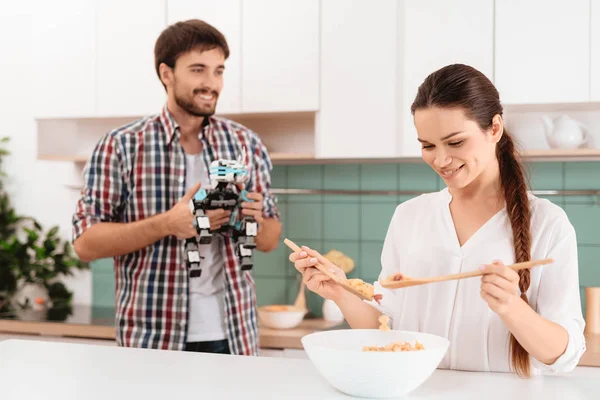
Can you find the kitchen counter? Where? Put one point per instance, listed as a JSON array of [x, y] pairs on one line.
[[98, 323], [67, 371]]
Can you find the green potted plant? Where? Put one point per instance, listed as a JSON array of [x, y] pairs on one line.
[[32, 261]]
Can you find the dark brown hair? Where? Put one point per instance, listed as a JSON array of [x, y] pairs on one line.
[[185, 36], [464, 87]]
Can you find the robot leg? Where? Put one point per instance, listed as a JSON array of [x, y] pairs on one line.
[[192, 257], [247, 242]]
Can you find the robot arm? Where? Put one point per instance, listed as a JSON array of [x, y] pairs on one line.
[[246, 231]]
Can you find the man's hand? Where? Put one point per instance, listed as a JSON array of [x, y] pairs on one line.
[[180, 219], [254, 208], [218, 217]]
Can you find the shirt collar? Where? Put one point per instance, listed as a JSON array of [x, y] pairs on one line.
[[172, 127]]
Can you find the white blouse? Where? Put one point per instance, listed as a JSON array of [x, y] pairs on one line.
[[421, 242]]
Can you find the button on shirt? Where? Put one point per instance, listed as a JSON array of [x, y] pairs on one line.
[[421, 241]]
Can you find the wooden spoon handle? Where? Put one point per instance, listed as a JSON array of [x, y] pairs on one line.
[[301, 298], [416, 281], [514, 267]]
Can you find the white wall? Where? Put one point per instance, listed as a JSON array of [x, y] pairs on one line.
[[36, 187]]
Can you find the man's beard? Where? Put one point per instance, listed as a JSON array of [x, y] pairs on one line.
[[188, 105]]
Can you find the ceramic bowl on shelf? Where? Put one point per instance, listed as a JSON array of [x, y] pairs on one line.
[[339, 357], [281, 316]]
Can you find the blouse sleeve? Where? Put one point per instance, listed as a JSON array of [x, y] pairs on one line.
[[558, 296]]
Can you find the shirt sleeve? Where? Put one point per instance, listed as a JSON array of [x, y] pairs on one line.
[[558, 297], [102, 194], [262, 177]]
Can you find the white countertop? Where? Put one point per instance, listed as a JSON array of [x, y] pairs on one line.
[[68, 371]]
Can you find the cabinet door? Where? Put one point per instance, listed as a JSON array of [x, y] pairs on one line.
[[358, 110], [225, 15], [595, 63], [64, 54], [543, 51], [126, 33], [438, 33], [280, 55]]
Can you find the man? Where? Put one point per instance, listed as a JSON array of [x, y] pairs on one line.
[[135, 207]]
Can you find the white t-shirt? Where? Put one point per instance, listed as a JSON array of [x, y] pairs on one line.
[[207, 292], [421, 241]]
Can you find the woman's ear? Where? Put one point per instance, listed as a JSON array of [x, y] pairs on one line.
[[497, 128]]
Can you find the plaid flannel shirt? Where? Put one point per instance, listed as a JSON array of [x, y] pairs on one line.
[[137, 171]]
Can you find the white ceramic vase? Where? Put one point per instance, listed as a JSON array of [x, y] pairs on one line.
[[331, 312]]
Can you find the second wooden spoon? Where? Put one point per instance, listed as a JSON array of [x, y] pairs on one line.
[[390, 283]]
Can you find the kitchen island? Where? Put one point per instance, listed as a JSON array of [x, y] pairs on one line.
[[68, 371]]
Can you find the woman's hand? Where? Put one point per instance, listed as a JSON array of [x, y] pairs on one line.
[[316, 281], [500, 287]]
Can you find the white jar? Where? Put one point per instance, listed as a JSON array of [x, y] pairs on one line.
[[331, 312]]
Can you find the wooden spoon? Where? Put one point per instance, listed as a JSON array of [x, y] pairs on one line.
[[390, 283], [340, 281], [301, 298]]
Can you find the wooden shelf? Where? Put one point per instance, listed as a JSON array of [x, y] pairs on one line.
[[53, 157], [562, 155], [551, 107], [528, 156], [307, 158], [276, 156]]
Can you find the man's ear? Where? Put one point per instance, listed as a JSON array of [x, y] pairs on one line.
[[166, 74], [497, 128]]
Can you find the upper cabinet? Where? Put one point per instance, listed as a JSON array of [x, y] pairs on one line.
[[437, 33], [595, 48], [543, 51], [64, 58], [280, 55], [225, 15], [127, 83], [359, 47], [321, 78]]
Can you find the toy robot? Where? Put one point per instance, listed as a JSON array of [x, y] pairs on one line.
[[225, 175]]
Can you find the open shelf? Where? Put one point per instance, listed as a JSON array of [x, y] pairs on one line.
[[562, 155], [552, 107], [52, 157], [280, 158], [289, 138]]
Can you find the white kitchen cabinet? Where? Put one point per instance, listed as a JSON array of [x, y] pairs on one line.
[[595, 48], [64, 58], [359, 45], [127, 83], [542, 51], [438, 33], [225, 15], [280, 55]]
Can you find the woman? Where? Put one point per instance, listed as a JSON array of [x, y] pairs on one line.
[[528, 322]]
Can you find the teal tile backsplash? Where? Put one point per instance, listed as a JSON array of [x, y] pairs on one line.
[[341, 221], [357, 225], [103, 283]]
